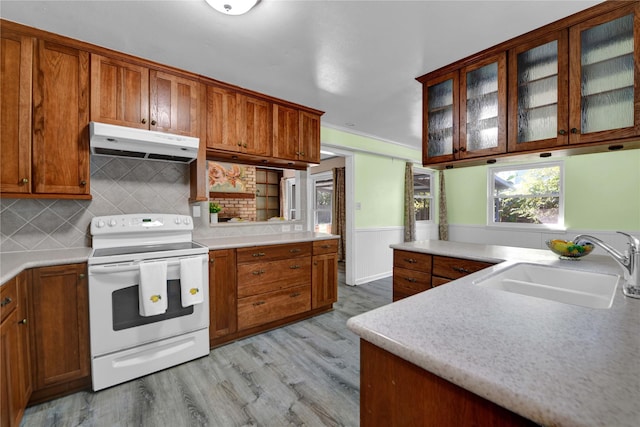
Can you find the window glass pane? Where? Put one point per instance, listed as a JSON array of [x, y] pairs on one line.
[[527, 195], [440, 116], [482, 107], [422, 196]]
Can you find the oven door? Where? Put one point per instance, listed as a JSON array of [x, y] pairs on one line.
[[115, 321]]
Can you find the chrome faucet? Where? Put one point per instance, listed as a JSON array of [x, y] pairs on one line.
[[630, 261]]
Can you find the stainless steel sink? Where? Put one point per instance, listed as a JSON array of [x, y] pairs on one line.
[[587, 289]]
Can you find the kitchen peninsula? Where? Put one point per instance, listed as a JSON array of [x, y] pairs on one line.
[[555, 364]]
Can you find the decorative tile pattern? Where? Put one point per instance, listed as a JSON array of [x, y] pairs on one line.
[[118, 186]]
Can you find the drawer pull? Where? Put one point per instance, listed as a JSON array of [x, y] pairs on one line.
[[461, 270], [258, 303], [295, 294], [325, 246], [5, 301], [22, 322], [411, 260], [294, 267], [258, 254], [411, 279], [295, 250], [257, 272]]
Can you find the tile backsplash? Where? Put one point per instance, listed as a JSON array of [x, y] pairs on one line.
[[118, 186]]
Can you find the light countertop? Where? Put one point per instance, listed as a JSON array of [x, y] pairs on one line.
[[556, 364], [12, 263]]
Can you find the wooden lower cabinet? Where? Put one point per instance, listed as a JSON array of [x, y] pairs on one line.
[[223, 319], [258, 288], [394, 392], [60, 338], [415, 272], [15, 370]]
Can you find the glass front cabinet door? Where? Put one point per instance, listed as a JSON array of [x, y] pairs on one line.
[[440, 125], [538, 88], [483, 107], [603, 90]]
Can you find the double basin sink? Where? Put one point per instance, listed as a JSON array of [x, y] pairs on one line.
[[584, 288]]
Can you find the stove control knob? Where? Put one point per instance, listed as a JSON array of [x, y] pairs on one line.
[[187, 220], [112, 223], [177, 220], [100, 223]]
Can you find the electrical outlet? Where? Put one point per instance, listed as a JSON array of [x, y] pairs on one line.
[[297, 227], [286, 228], [196, 211]]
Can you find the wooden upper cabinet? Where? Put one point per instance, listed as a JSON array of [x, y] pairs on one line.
[[60, 120], [237, 122], [604, 91], [483, 107], [119, 92], [538, 93], [296, 134], [16, 53], [173, 104], [441, 101]]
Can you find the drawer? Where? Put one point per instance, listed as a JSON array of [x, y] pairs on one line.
[[8, 298], [273, 252], [437, 281], [454, 268], [260, 277], [410, 281], [412, 260], [325, 247], [265, 308]]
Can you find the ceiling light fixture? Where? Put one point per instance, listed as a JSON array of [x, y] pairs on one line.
[[232, 7]]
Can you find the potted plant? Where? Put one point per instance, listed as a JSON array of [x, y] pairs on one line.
[[214, 208]]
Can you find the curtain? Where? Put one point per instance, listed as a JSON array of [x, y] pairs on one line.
[[443, 225], [409, 206], [339, 222]]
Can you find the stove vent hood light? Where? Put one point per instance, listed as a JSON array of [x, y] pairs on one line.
[[121, 141]]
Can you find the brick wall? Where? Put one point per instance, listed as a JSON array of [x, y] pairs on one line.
[[244, 208]]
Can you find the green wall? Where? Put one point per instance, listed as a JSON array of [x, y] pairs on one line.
[[602, 192]]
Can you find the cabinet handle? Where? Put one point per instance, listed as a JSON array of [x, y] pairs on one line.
[[144, 121], [562, 132], [463, 149], [295, 294], [258, 254], [239, 144], [295, 251], [455, 150], [411, 260], [244, 145], [153, 122], [22, 322], [315, 262], [411, 279], [461, 270], [257, 272], [325, 246], [25, 180], [294, 267], [574, 130], [5, 301], [302, 153], [81, 275], [83, 182], [211, 260], [258, 303]]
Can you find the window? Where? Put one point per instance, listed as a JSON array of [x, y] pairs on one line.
[[323, 202], [529, 195], [422, 196]]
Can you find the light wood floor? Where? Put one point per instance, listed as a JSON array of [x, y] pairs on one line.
[[305, 374]]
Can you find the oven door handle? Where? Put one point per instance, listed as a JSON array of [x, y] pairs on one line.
[[119, 268]]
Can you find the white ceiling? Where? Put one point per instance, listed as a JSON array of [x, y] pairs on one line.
[[355, 60]]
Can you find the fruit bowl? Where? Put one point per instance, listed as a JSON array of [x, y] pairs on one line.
[[569, 249]]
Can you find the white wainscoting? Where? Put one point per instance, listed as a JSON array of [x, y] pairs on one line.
[[373, 258]]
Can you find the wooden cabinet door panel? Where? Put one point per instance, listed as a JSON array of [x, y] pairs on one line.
[[261, 277], [9, 376], [410, 281], [24, 336], [60, 120], [325, 246], [454, 268], [59, 302], [412, 260], [174, 104], [16, 53], [221, 119], [222, 293], [324, 280], [119, 92], [255, 126], [309, 137], [265, 308], [286, 132], [440, 118]]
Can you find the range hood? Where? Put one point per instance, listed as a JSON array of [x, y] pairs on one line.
[[121, 141]]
